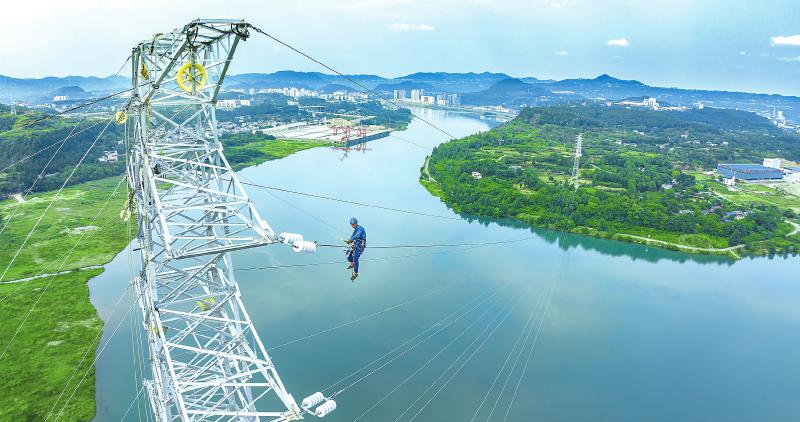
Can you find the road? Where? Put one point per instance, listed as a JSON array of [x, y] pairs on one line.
[[425, 170]]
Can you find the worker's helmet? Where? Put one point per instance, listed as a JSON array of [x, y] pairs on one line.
[[353, 220]]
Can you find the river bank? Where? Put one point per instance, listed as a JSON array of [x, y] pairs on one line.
[[50, 325], [627, 331]]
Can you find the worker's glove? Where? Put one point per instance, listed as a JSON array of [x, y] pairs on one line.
[[348, 241]]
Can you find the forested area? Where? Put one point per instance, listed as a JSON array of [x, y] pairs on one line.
[[695, 137], [18, 144], [525, 168]]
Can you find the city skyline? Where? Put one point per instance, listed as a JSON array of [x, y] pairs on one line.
[[717, 45]]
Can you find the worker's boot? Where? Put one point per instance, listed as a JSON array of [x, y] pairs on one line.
[[353, 277]]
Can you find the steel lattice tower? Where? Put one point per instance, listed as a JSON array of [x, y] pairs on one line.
[[207, 360], [576, 164]]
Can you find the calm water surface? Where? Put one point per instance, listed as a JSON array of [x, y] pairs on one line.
[[620, 331]]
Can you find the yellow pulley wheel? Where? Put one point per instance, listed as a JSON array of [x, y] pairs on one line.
[[120, 117], [191, 77]]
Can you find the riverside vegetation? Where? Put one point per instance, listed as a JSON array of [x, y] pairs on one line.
[[64, 326], [640, 180]]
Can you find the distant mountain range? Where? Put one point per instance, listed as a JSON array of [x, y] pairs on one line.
[[476, 88]]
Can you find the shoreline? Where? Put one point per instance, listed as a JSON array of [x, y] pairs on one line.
[[434, 188]]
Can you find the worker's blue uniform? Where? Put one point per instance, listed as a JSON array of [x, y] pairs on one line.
[[359, 239]]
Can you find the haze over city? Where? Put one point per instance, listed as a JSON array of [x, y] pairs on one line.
[[717, 44]]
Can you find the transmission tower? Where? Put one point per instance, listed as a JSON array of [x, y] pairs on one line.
[[207, 360], [576, 166]]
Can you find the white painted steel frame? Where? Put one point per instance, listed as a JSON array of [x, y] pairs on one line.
[[207, 360]]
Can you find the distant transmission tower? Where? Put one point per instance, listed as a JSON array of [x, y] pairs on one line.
[[576, 166], [207, 360]]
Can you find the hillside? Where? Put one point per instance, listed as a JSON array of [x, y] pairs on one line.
[[510, 93], [484, 88], [46, 137], [639, 180]]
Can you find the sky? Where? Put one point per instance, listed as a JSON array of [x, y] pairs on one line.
[[740, 45]]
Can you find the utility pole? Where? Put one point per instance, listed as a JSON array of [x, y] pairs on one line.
[[207, 360], [576, 167]]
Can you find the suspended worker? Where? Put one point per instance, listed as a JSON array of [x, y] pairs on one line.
[[357, 242]]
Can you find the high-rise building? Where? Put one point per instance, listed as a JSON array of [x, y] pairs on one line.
[[416, 95], [399, 94], [440, 100], [453, 99]]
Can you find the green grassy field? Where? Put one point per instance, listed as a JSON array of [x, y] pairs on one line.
[[256, 153], [63, 325], [56, 234], [49, 347]]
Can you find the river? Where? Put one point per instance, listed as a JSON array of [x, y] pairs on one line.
[[572, 328]]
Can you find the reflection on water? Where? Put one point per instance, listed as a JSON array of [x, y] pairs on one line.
[[621, 331]]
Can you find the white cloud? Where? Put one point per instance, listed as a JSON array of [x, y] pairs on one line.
[[622, 42], [793, 40], [561, 53], [790, 59], [410, 27], [742, 53], [560, 4]]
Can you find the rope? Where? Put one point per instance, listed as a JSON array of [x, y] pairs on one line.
[[373, 92], [345, 201]]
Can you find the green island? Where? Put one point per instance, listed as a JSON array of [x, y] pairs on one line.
[[645, 177], [79, 233]]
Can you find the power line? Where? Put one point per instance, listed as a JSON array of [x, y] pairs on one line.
[[72, 132], [47, 286], [55, 197], [345, 201], [72, 135], [385, 258], [439, 327], [344, 324], [462, 332], [39, 177], [370, 90], [97, 356], [60, 113], [440, 245]]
